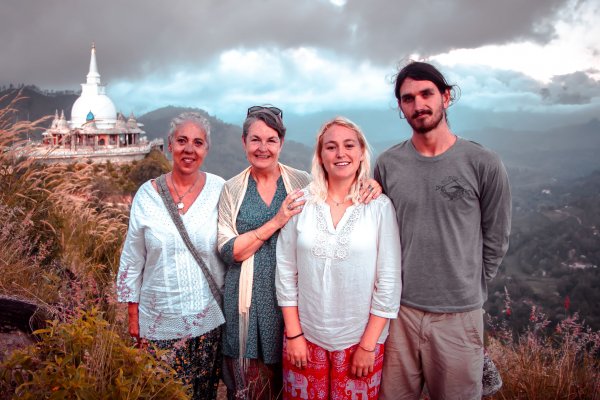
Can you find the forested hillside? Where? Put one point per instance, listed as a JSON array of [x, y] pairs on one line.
[[554, 257]]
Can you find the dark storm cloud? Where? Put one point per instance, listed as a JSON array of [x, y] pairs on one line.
[[575, 88], [46, 42], [388, 29]]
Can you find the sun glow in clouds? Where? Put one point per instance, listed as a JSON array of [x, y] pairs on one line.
[[575, 48], [303, 79]]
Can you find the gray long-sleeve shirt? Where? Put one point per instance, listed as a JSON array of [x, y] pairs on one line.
[[454, 214]]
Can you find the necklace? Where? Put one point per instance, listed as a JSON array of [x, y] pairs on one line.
[[179, 203], [337, 203]]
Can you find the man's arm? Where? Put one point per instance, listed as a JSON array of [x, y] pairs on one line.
[[496, 212]]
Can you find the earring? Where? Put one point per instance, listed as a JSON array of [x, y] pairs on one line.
[[401, 114]]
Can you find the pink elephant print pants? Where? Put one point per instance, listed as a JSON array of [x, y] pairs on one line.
[[328, 376]]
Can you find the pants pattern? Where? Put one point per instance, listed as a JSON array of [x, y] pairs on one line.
[[197, 362], [328, 376]]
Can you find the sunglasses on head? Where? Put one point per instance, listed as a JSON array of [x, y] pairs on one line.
[[274, 110]]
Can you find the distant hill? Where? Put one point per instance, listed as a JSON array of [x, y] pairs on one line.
[[532, 157], [37, 103], [226, 156], [561, 153]]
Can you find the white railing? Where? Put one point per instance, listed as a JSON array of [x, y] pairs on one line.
[[51, 151]]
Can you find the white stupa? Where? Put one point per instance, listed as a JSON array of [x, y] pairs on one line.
[[96, 130], [93, 99]]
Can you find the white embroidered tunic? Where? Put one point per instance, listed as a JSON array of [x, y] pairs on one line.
[[158, 271], [338, 276]]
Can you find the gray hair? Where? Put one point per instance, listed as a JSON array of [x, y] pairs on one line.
[[269, 118], [190, 117]]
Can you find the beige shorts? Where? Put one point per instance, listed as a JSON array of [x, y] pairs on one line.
[[442, 351]]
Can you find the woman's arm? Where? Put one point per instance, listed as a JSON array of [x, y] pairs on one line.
[[248, 243], [286, 288], [296, 347], [133, 255], [131, 270], [385, 300], [364, 356]]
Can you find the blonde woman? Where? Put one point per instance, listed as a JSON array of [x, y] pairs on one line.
[[338, 275]]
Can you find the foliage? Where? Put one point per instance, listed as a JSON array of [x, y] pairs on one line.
[[153, 165], [60, 242], [27, 228], [86, 359], [546, 362], [60, 220]]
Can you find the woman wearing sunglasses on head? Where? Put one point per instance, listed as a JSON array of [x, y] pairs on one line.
[[253, 207]]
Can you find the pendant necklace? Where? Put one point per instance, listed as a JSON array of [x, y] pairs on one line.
[[180, 204], [337, 203]]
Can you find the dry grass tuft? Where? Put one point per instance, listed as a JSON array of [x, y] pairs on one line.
[[548, 363]]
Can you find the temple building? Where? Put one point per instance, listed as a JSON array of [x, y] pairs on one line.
[[96, 131]]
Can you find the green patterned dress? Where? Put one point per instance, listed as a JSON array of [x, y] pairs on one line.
[[265, 330]]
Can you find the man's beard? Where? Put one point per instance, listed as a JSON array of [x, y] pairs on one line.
[[422, 126]]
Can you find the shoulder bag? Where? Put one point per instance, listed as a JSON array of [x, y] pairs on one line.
[[163, 190]]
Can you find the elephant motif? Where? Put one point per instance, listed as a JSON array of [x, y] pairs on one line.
[[356, 387], [375, 380], [294, 381]]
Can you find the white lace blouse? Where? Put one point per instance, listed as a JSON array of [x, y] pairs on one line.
[[158, 271], [338, 276]]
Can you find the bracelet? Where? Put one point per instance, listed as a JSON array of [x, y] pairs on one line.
[[295, 337], [258, 237], [368, 351]]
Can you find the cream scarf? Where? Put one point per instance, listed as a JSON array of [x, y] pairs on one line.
[[230, 202]]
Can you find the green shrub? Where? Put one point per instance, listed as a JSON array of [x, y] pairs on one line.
[[86, 359], [152, 166]]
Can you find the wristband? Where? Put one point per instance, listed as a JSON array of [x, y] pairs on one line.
[[295, 337], [258, 237], [368, 351]]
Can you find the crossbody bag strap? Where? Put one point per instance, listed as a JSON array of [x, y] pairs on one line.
[[163, 190]]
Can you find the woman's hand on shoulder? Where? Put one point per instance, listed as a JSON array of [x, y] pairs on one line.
[[370, 189], [292, 205]]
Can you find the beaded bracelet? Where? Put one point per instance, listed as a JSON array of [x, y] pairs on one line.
[[368, 351], [258, 237], [294, 337]]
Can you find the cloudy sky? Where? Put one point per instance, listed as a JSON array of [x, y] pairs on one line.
[[523, 65]]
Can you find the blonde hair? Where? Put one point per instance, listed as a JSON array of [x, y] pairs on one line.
[[319, 185]]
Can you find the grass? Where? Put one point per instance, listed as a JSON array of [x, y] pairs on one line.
[[60, 243], [545, 361]]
